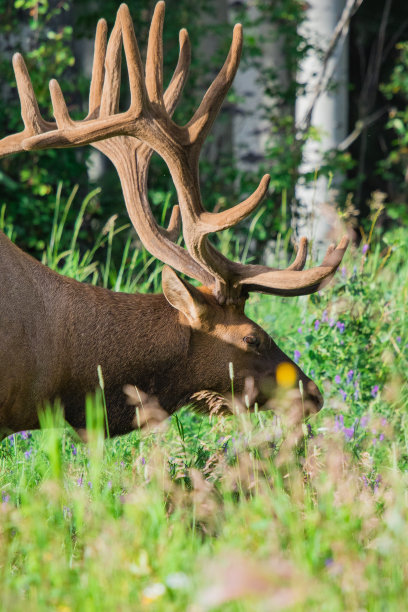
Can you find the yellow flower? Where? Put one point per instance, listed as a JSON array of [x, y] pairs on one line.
[[286, 375]]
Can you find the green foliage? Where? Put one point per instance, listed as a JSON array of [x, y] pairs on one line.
[[28, 181], [394, 166]]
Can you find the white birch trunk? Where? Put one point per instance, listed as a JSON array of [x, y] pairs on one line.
[[251, 128], [313, 218]]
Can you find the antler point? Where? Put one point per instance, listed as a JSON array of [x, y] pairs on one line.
[[159, 9], [123, 9], [102, 23]]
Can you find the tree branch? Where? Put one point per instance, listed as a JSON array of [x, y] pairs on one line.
[[359, 127]]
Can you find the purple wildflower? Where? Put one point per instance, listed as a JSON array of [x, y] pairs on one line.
[[143, 460], [317, 325], [343, 394], [364, 249], [374, 441], [27, 453], [357, 391], [80, 481], [381, 438], [383, 421], [299, 330], [350, 375], [90, 484], [74, 450], [325, 318], [296, 356], [331, 322], [364, 421], [348, 432], [25, 435], [344, 272], [340, 326], [375, 390], [398, 339], [5, 498], [337, 379]]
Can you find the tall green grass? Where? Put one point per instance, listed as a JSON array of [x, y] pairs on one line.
[[236, 513]]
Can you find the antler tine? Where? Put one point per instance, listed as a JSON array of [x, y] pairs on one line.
[[59, 106], [327, 257], [111, 84], [173, 229], [173, 92], [216, 222], [154, 57], [301, 255], [30, 113], [202, 120], [134, 62], [98, 69], [294, 282]]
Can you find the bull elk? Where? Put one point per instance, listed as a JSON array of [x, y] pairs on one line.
[[56, 331]]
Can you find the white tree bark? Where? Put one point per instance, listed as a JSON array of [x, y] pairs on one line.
[[251, 128], [330, 115]]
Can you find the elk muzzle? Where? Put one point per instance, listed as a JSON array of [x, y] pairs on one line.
[[287, 386]]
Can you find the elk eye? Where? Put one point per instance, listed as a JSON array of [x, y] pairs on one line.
[[252, 341]]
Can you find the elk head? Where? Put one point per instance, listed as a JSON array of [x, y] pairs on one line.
[[219, 333]]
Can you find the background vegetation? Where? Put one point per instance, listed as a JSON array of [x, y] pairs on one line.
[[241, 512]]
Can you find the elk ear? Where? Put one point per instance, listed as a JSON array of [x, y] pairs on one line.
[[182, 295]]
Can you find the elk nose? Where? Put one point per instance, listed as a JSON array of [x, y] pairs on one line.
[[313, 395]]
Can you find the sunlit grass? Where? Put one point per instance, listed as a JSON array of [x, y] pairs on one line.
[[241, 512]]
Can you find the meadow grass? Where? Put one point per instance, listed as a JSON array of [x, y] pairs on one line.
[[235, 513]]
